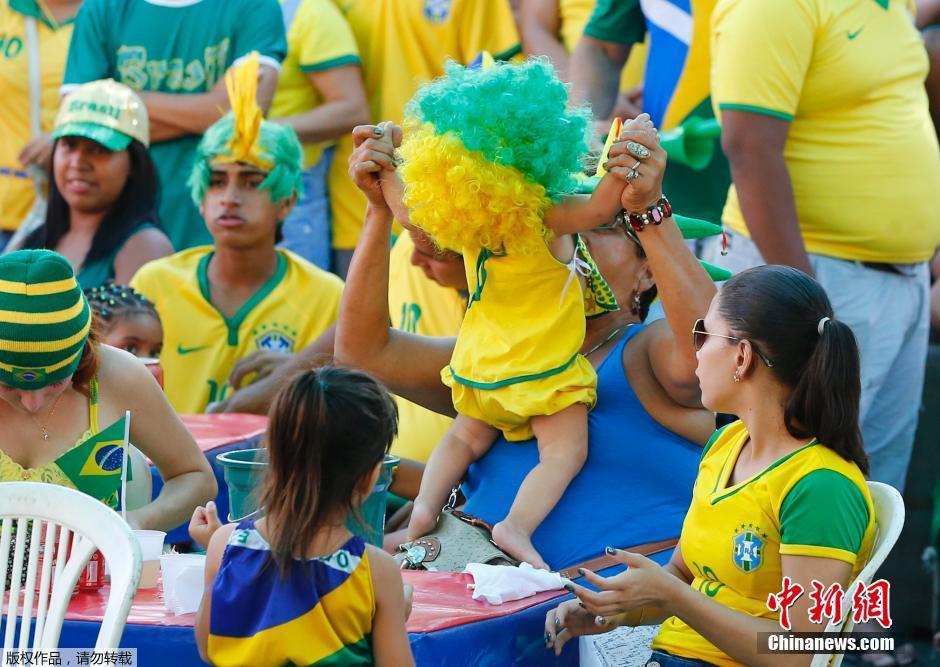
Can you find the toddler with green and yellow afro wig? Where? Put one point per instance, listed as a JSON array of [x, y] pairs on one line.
[[487, 151], [242, 135]]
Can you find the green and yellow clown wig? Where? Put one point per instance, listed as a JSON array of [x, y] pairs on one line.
[[487, 151], [243, 136]]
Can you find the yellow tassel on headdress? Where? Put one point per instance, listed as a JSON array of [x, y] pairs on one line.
[[241, 82]]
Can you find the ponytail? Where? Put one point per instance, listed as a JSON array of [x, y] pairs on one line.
[[824, 403], [328, 429], [788, 315]]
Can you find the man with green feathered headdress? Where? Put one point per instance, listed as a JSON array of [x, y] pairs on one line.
[[222, 302]]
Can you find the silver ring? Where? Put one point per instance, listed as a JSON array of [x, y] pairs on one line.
[[633, 175], [638, 163], [639, 151]]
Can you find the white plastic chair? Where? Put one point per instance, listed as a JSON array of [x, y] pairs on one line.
[[889, 519], [49, 512]]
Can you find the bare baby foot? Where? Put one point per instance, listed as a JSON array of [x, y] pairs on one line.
[[518, 544]]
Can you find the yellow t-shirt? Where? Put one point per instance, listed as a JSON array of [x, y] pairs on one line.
[[16, 189], [574, 15], [861, 151], [318, 39], [811, 502], [419, 305], [517, 355], [200, 346], [404, 43]]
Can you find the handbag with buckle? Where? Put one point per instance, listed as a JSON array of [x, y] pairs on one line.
[[460, 538]]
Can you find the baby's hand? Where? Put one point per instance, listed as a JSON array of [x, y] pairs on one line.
[[373, 158], [641, 122], [393, 187], [204, 523], [389, 130], [638, 159]]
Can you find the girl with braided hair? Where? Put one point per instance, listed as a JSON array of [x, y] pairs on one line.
[[126, 320]]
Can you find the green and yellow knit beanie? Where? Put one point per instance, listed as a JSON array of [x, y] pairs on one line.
[[44, 319]]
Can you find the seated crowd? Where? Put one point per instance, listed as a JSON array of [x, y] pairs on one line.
[[540, 345]]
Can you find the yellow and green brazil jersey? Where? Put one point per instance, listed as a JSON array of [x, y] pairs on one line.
[[811, 502], [403, 44], [419, 305], [200, 345], [318, 40], [849, 79], [16, 187]]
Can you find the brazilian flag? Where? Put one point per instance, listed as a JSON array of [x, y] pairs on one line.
[[95, 465]]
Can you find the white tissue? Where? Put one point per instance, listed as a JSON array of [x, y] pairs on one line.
[[503, 583]]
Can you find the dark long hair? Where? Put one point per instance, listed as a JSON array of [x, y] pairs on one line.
[[328, 430], [779, 309], [136, 205]]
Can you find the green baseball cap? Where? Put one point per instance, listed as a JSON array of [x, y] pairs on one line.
[[104, 111], [44, 319]]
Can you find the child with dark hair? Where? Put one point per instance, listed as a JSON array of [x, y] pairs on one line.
[[126, 320], [295, 586]]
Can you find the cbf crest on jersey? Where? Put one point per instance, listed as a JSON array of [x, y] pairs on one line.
[[437, 11], [748, 548], [275, 337]]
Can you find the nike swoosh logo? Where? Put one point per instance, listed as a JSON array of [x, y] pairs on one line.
[[853, 35], [187, 350]]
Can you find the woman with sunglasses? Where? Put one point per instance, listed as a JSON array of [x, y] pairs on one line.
[[780, 501]]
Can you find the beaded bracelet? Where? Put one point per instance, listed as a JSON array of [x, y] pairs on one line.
[[654, 214]]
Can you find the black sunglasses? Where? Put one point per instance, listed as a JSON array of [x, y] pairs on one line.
[[699, 337], [620, 222]]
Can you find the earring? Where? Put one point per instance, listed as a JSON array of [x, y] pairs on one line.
[[635, 304], [737, 376]]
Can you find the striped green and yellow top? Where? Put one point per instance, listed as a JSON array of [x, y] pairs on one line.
[[320, 613]]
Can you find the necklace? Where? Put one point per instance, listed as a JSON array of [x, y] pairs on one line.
[[42, 428], [610, 336]]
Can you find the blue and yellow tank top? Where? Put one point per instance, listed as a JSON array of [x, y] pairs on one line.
[[320, 613]]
